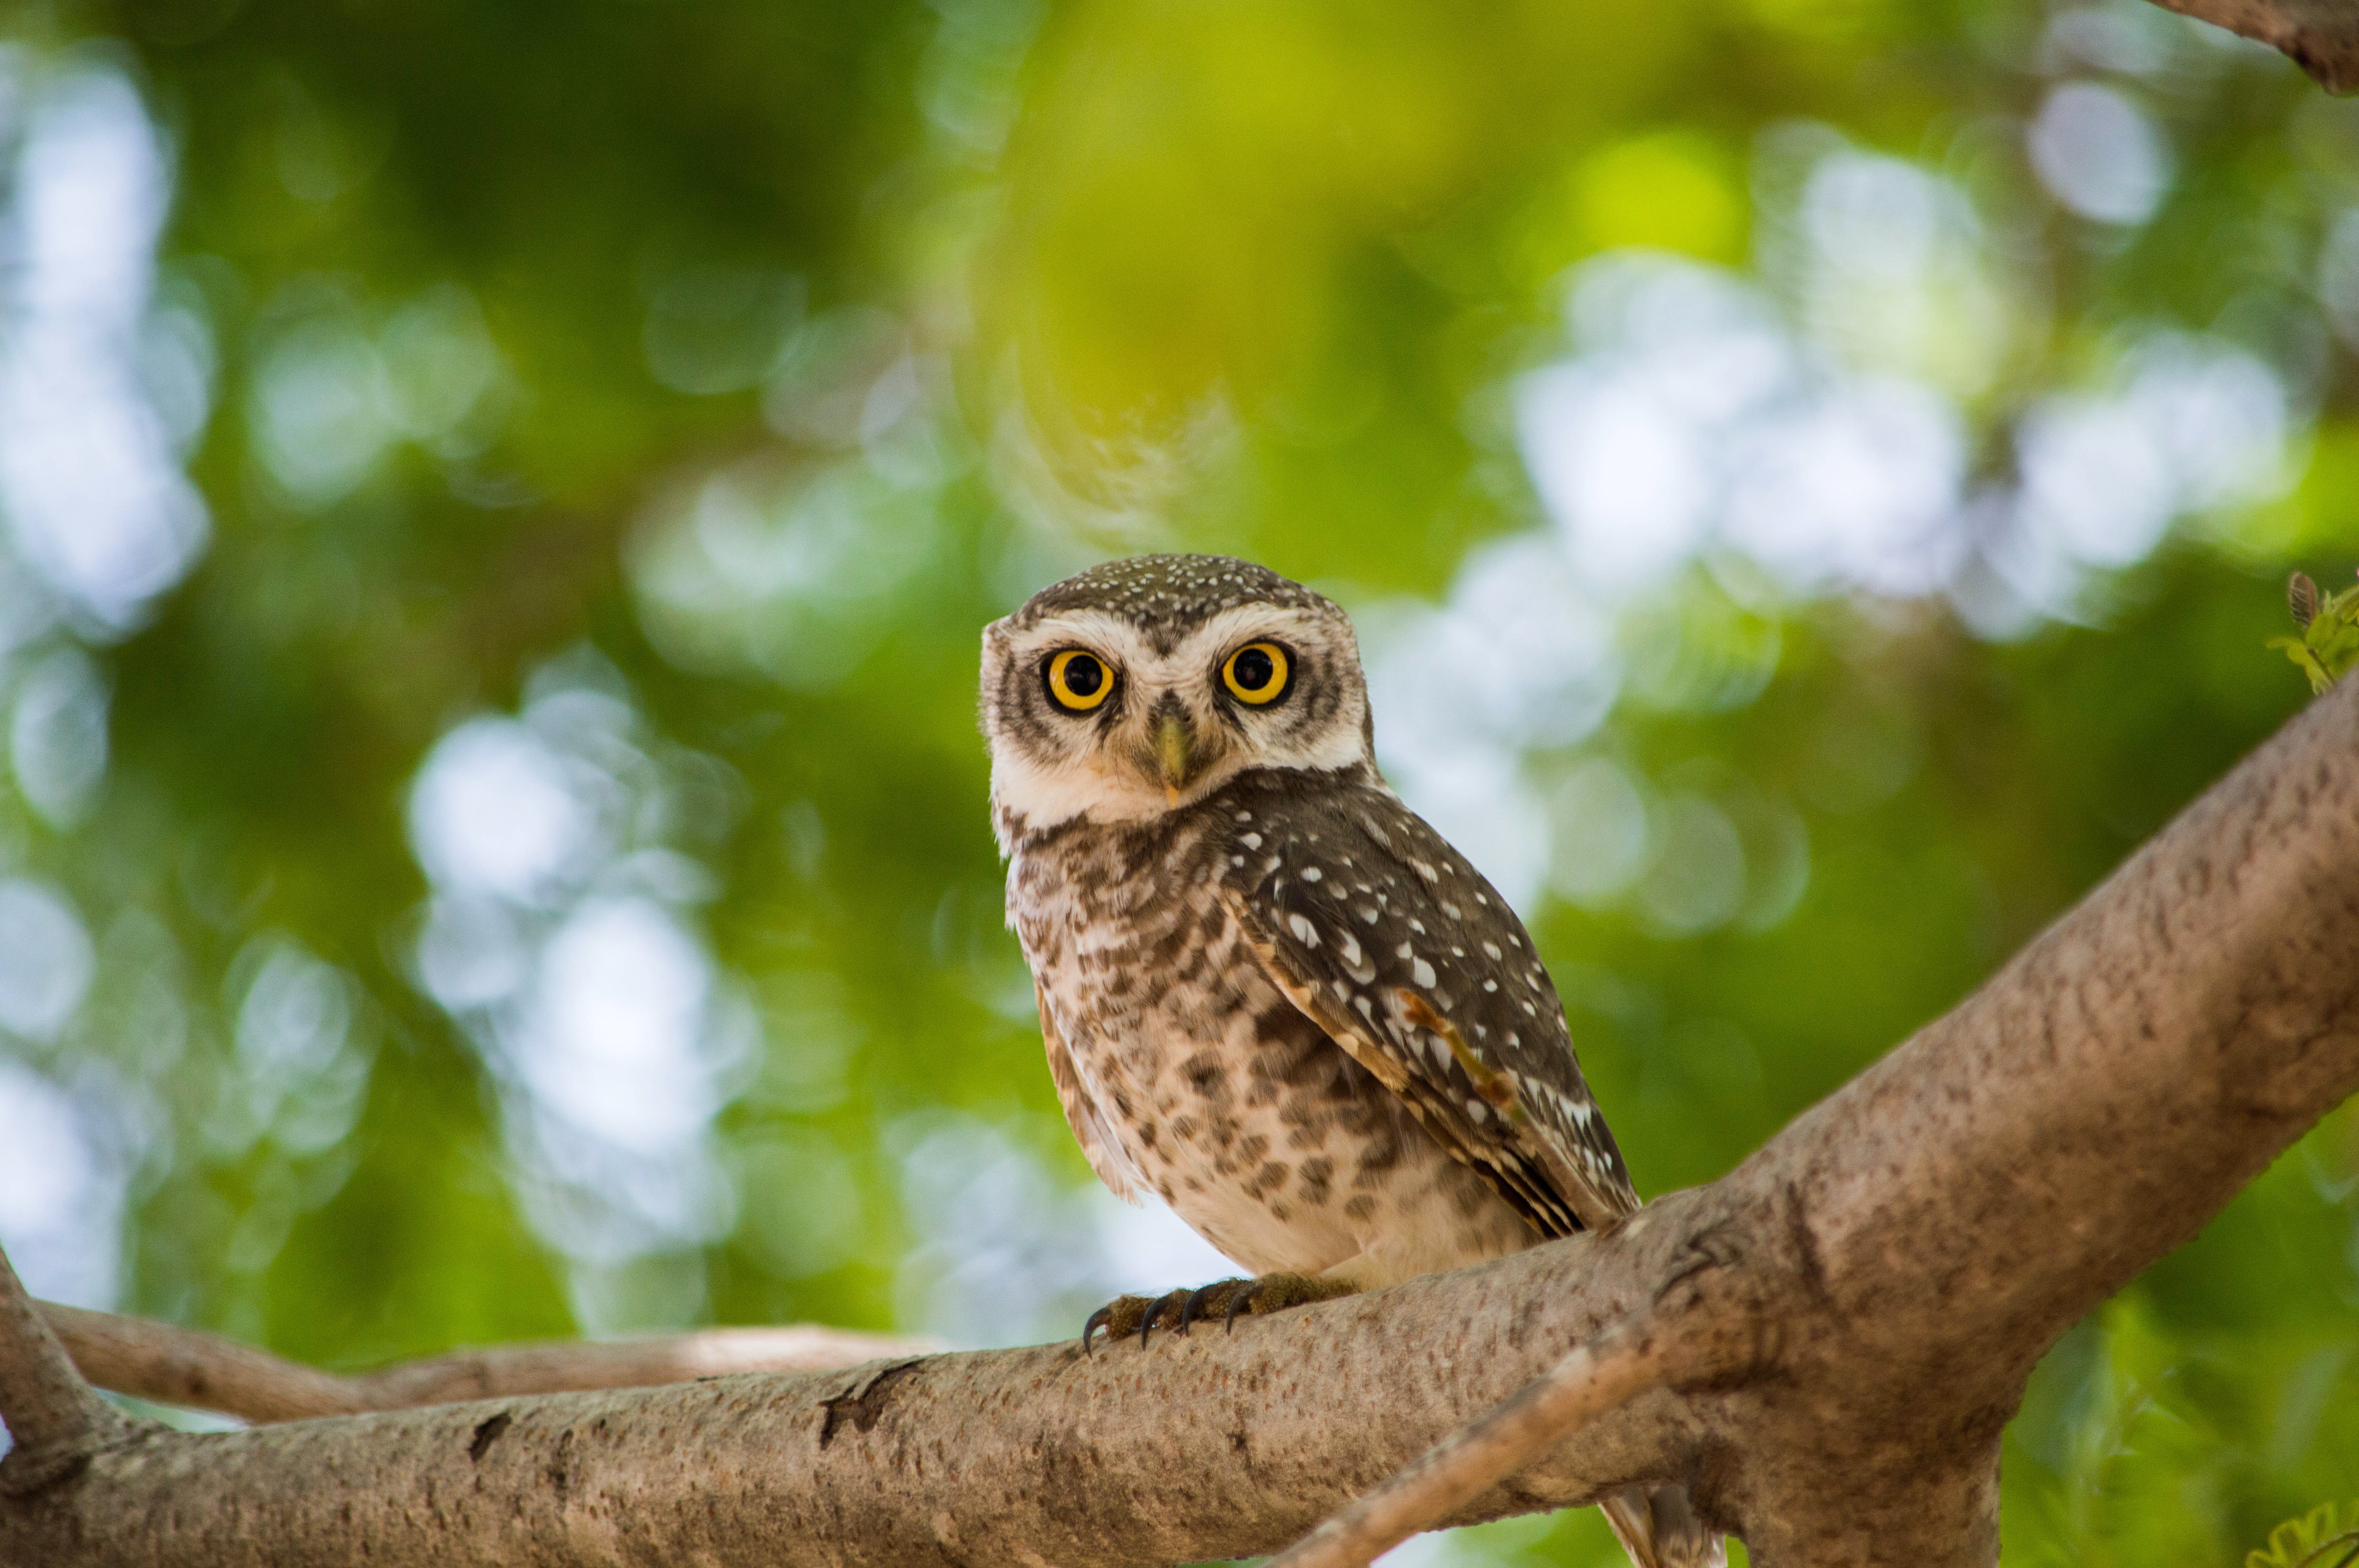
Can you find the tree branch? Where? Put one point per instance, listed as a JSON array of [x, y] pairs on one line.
[[1684, 1346], [1908, 1249], [55, 1419], [2320, 36], [177, 1365]]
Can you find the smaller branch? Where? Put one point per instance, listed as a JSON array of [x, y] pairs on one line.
[[176, 1365], [1650, 1350], [55, 1419], [2319, 36]]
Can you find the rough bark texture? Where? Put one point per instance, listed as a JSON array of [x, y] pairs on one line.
[[2319, 36], [1674, 1343], [1911, 1247], [176, 1365], [55, 1419]]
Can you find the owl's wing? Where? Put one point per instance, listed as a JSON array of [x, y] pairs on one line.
[[1393, 944], [1107, 1153]]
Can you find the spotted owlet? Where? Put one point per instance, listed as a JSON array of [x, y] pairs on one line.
[[1271, 994]]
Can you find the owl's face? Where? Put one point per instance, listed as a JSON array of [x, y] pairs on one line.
[[1140, 687]]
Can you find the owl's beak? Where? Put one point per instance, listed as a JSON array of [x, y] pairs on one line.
[[1175, 747]]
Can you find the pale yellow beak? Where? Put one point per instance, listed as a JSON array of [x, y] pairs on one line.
[[1175, 747]]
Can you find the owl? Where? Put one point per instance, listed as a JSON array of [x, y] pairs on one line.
[[1270, 994]]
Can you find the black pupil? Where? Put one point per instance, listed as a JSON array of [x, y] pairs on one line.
[[1254, 670], [1083, 676]]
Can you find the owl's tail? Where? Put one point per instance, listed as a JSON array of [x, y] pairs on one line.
[[1659, 1528]]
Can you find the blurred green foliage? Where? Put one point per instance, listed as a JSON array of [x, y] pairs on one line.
[[658, 400]]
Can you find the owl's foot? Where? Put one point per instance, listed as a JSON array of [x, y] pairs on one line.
[[1223, 1299]]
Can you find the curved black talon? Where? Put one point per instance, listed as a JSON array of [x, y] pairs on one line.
[[1155, 1311], [1236, 1306], [1196, 1299], [1098, 1320]]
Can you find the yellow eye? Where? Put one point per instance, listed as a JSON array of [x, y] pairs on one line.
[[1256, 673], [1079, 680]]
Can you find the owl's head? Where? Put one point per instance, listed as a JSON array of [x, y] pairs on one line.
[[1140, 687]]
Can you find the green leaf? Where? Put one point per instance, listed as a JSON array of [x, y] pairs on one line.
[[2322, 1538]]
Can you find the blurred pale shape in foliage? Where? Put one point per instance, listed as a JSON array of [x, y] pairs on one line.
[[57, 735], [496, 811], [88, 485], [1005, 1254], [1600, 837], [2100, 152], [1856, 483], [2132, 38], [303, 1066], [2189, 425], [46, 960], [792, 574], [1517, 612], [333, 392], [611, 1035], [1698, 875], [555, 937], [319, 421], [445, 380], [1691, 412], [1894, 274], [60, 1196]]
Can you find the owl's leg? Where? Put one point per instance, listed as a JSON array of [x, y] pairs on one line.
[[1226, 1299]]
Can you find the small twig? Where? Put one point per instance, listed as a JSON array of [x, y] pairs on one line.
[[55, 1419], [1646, 1351], [176, 1365]]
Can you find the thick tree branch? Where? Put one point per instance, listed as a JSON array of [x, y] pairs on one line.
[[2320, 36], [1910, 1247], [177, 1365], [55, 1419]]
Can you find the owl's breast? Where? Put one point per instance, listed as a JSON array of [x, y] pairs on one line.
[[1223, 1097]]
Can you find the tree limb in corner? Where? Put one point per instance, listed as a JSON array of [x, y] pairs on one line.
[[2319, 36]]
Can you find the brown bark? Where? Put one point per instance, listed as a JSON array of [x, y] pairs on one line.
[[2319, 36], [1908, 1249], [55, 1419], [1673, 1345]]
